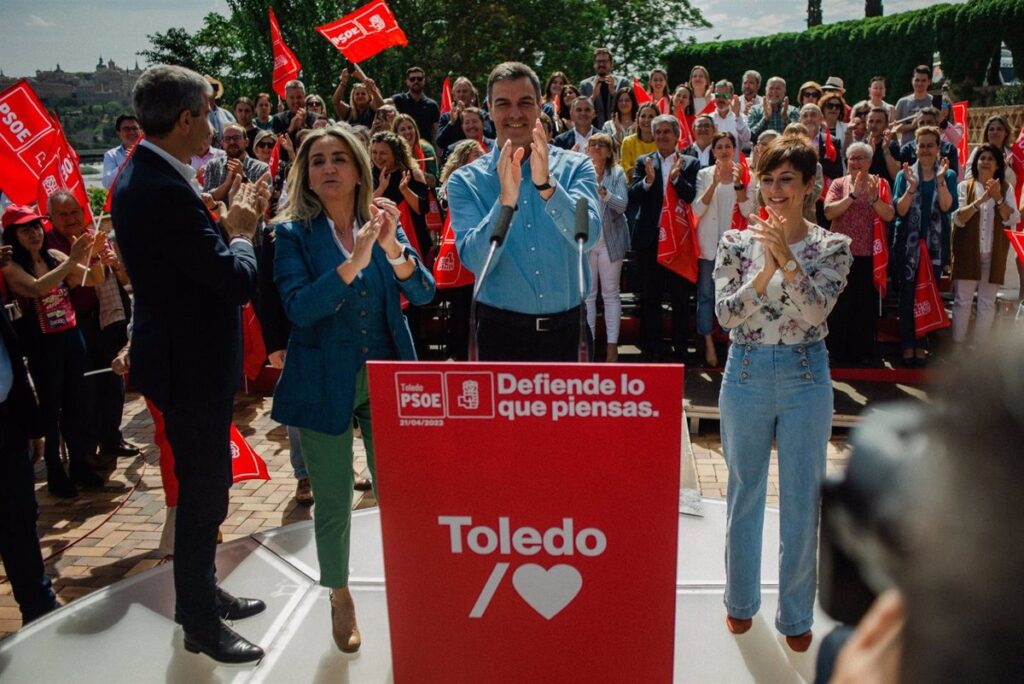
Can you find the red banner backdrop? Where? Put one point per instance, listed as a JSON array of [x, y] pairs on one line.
[[286, 65], [364, 32], [505, 553]]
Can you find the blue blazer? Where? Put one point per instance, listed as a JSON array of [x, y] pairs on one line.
[[317, 387], [188, 284]]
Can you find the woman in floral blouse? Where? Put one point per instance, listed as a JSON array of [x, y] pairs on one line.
[[775, 286]]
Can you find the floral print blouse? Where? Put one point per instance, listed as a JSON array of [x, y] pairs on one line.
[[787, 313]]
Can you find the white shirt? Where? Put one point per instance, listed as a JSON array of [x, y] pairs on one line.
[[716, 217], [736, 125], [337, 240], [704, 156], [186, 171], [581, 140], [112, 161], [986, 213]]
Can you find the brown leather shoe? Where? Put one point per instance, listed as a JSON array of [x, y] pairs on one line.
[[304, 492], [343, 622], [800, 643], [738, 625]]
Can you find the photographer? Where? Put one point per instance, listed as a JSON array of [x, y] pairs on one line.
[[924, 510]]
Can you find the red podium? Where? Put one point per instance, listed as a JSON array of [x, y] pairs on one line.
[[529, 519]]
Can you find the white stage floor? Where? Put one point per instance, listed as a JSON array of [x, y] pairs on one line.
[[126, 632]]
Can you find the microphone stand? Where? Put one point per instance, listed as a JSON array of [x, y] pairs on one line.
[[497, 238], [582, 232]]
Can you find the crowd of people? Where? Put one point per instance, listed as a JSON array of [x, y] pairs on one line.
[[331, 222]]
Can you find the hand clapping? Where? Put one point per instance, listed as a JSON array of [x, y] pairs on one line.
[[772, 234]]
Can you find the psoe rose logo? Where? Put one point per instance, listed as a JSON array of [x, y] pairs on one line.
[[547, 590]]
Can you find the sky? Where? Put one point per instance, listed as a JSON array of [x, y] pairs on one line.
[[76, 33]]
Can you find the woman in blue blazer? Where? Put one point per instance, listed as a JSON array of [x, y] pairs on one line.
[[342, 260]]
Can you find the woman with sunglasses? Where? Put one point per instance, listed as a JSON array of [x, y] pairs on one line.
[[832, 106], [809, 93]]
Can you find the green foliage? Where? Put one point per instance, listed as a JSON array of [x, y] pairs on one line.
[[1010, 95], [966, 35], [97, 198], [457, 37]]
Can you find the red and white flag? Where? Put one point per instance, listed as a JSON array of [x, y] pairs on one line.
[[709, 108], [739, 221], [364, 32], [642, 96], [685, 128], [254, 349], [929, 312], [678, 248], [246, 464], [1017, 240], [275, 159], [35, 157], [960, 117], [880, 244], [286, 65], [108, 203], [448, 268], [664, 106], [446, 95]]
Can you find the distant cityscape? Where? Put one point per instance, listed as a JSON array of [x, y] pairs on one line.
[[85, 102]]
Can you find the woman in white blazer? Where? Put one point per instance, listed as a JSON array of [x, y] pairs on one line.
[[722, 193]]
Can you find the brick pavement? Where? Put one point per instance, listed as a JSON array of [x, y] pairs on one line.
[[126, 543]]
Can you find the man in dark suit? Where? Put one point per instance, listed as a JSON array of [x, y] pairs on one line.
[[646, 192], [190, 275], [582, 114], [20, 426]]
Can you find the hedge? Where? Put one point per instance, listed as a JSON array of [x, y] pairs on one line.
[[967, 36]]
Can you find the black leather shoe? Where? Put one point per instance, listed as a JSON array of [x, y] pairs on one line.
[[120, 450], [232, 608], [224, 645], [87, 478]]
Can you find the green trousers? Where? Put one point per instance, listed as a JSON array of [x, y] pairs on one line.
[[329, 462]]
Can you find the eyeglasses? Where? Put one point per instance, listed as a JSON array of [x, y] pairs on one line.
[[134, 129], [810, 93], [857, 157], [315, 104], [233, 138], [834, 105], [414, 79], [266, 145]]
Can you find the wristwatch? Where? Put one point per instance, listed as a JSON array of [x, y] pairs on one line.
[[400, 259], [851, 195], [546, 185], [738, 186], [790, 266]]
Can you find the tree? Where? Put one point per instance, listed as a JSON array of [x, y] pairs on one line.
[[873, 8], [463, 37], [813, 13]]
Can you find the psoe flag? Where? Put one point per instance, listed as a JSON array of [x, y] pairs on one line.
[[365, 32], [286, 66], [27, 139]]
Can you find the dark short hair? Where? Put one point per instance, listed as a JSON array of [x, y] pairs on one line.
[[246, 101], [795, 149], [513, 71], [121, 119], [876, 79], [723, 135], [411, 70], [163, 92], [924, 69], [883, 110], [928, 111], [1000, 160]]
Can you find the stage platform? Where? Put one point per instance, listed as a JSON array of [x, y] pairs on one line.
[[126, 631]]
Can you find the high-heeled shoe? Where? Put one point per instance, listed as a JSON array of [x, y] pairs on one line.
[[343, 623], [738, 625], [801, 642]]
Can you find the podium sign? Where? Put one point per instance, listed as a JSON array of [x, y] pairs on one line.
[[529, 515]]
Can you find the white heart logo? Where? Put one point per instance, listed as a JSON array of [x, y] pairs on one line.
[[547, 591]]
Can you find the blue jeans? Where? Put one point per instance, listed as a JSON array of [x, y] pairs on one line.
[[705, 296], [785, 392], [295, 453]]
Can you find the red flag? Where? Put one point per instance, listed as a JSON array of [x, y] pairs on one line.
[[1017, 240], [434, 220], [960, 117], [448, 268], [446, 95], [677, 236], [26, 140], [929, 313], [286, 66], [364, 32], [880, 245], [830, 148], [642, 96], [685, 134], [405, 219], [246, 464], [664, 106], [107, 203], [254, 349], [1016, 161], [709, 108], [739, 221], [61, 172], [275, 159]]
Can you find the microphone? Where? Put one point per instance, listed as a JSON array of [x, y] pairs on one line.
[[581, 233], [502, 225]]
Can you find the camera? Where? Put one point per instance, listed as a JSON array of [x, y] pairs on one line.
[[862, 538]]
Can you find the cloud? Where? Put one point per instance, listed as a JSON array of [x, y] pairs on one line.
[[36, 21]]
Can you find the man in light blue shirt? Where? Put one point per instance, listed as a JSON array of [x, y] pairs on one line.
[[530, 302], [128, 130]]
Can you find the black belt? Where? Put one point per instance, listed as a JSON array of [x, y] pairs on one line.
[[529, 322]]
